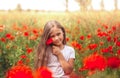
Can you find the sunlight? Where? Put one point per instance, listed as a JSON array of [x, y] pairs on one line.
[[53, 5], [5, 5], [95, 4], [73, 6], [109, 4]]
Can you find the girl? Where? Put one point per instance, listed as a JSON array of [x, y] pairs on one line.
[[53, 52]]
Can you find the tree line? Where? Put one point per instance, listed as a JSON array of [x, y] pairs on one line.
[[85, 5]]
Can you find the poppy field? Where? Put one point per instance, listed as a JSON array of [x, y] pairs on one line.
[[95, 37]]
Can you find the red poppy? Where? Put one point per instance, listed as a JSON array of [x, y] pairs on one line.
[[109, 38], [35, 31], [23, 56], [26, 34], [115, 38], [118, 43], [49, 41], [43, 72], [113, 62], [29, 50], [118, 51], [99, 30], [67, 39], [105, 50], [105, 26], [82, 37], [114, 28], [9, 36], [93, 62], [92, 46], [102, 34], [109, 32], [19, 71], [25, 27], [89, 36], [101, 43], [76, 45], [20, 62], [3, 39]]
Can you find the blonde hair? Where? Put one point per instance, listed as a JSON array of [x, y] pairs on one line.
[[42, 51]]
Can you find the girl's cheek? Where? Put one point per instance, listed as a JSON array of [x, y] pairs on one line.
[[53, 40]]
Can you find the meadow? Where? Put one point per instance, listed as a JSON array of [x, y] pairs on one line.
[[95, 37]]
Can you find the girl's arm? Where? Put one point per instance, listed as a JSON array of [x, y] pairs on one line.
[[66, 65]]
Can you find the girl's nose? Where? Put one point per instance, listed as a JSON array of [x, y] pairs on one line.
[[56, 37]]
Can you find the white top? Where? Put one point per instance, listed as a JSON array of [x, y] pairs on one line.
[[54, 64]]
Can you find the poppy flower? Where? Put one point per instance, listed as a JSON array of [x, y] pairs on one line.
[[49, 41], [29, 50], [9, 36], [43, 72], [118, 43], [89, 36], [76, 45], [114, 28], [26, 34], [93, 62], [82, 37], [3, 39], [118, 52], [113, 62], [67, 39], [19, 71], [92, 46]]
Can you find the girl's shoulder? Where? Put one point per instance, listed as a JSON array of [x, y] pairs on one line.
[[67, 47]]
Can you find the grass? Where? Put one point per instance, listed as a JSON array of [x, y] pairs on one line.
[[76, 24]]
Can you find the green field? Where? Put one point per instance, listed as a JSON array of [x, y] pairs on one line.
[[94, 35]]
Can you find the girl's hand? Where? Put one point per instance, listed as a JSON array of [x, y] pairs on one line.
[[56, 50]]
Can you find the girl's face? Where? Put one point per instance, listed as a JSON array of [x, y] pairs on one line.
[[57, 36]]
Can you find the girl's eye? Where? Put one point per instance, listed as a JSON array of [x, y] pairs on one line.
[[52, 36], [58, 34]]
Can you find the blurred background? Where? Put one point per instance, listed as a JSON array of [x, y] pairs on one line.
[[59, 5], [92, 28]]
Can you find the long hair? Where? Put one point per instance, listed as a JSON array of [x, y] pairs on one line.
[[42, 50]]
